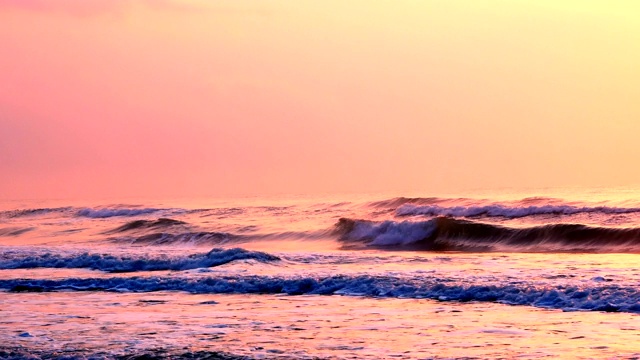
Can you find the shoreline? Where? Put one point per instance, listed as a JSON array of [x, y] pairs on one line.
[[178, 325]]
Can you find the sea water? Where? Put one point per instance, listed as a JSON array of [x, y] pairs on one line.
[[502, 275]]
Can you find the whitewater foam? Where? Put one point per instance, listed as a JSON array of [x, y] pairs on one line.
[[444, 233], [153, 259], [120, 263], [386, 233], [607, 298]]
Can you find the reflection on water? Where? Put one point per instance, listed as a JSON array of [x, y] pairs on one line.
[[309, 326], [323, 278]]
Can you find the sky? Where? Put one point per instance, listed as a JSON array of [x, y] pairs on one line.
[[120, 98]]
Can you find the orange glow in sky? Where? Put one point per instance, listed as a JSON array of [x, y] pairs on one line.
[[228, 97]]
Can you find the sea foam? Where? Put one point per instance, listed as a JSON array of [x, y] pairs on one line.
[[119, 263], [597, 297]]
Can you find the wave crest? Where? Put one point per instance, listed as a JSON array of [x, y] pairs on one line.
[[449, 234], [31, 212], [184, 238], [116, 263], [146, 224], [111, 212], [592, 297], [510, 212]]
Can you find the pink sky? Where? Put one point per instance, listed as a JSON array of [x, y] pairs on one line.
[[116, 98]]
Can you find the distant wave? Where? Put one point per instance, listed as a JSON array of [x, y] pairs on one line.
[[15, 231], [32, 212], [593, 297], [448, 234], [212, 238], [461, 201], [509, 211], [182, 238], [111, 212], [82, 212], [116, 263], [398, 201], [146, 224]]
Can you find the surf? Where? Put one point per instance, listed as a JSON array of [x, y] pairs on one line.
[[595, 297], [451, 234]]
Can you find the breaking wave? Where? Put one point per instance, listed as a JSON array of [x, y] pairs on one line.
[[448, 234], [511, 212], [118, 263], [610, 298]]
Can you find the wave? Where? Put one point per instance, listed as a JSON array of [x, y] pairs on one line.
[[611, 298], [115, 263], [184, 238], [146, 224], [510, 212], [31, 212], [449, 234], [82, 212], [15, 231], [398, 201], [198, 238], [111, 212]]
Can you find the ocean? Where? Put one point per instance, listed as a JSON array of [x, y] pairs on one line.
[[498, 275]]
